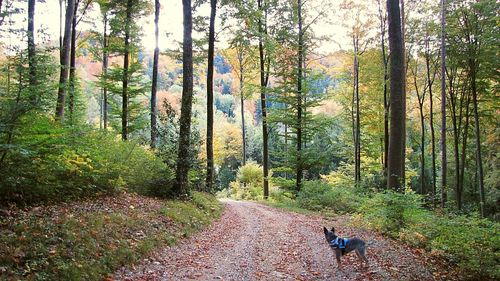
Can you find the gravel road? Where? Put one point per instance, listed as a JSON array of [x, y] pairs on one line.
[[252, 241]]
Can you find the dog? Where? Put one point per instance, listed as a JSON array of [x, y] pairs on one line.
[[342, 246]]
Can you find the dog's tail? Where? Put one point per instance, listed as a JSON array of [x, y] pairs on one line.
[[371, 243]]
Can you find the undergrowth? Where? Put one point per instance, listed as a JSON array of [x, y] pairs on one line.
[[81, 244], [47, 162]]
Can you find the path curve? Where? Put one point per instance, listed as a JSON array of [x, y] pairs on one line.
[[252, 241]]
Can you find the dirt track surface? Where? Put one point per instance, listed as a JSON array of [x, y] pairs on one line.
[[252, 241]]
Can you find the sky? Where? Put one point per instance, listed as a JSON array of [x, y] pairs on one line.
[[47, 19]]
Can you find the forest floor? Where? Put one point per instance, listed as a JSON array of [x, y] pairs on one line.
[[252, 241]]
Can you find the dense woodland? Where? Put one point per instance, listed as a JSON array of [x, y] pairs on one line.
[[398, 123]]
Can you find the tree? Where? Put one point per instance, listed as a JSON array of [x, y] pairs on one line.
[[443, 106], [72, 64], [65, 60], [126, 58], [210, 97], [421, 92], [397, 100], [430, 83], [154, 129], [104, 11], [264, 78], [124, 41], [360, 23], [31, 44], [181, 185], [72, 69], [382, 15], [300, 57]]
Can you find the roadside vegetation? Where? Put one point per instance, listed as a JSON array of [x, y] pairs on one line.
[[90, 240]]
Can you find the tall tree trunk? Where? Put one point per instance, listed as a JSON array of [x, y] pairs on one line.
[[405, 71], [210, 97], [430, 82], [443, 107], [31, 48], [263, 85], [397, 99], [422, 150], [65, 56], [421, 101], [383, 18], [126, 57], [72, 65], [460, 179], [61, 24], [242, 105], [105, 73], [155, 78], [299, 170], [479, 161], [358, 129], [181, 178]]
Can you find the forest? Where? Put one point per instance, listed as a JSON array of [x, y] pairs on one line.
[[128, 126]]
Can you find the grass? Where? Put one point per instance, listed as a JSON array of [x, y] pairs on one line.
[[68, 243]]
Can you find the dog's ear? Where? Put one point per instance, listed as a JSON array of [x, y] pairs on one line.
[[325, 230], [333, 229]]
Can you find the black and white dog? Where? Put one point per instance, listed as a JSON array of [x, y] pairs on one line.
[[342, 246]]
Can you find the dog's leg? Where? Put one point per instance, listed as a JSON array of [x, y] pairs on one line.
[[362, 253], [337, 256], [359, 255]]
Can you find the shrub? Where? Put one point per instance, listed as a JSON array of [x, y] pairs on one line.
[[248, 184], [52, 163], [467, 241], [316, 195], [389, 211], [470, 242]]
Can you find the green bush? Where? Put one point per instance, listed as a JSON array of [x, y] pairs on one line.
[[389, 211], [48, 162], [248, 184], [467, 241], [317, 195]]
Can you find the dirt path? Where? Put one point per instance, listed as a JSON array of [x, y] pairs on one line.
[[256, 242]]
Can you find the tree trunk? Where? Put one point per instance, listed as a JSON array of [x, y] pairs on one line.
[[61, 23], [242, 101], [126, 63], [263, 85], [383, 19], [181, 179], [299, 171], [31, 48], [210, 97], [443, 108], [456, 125], [479, 161], [430, 82], [72, 65], [405, 70], [104, 73], [421, 100], [154, 129], [397, 99], [358, 129], [422, 150], [63, 78], [463, 156]]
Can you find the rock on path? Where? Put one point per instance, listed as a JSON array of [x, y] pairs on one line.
[[252, 241]]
